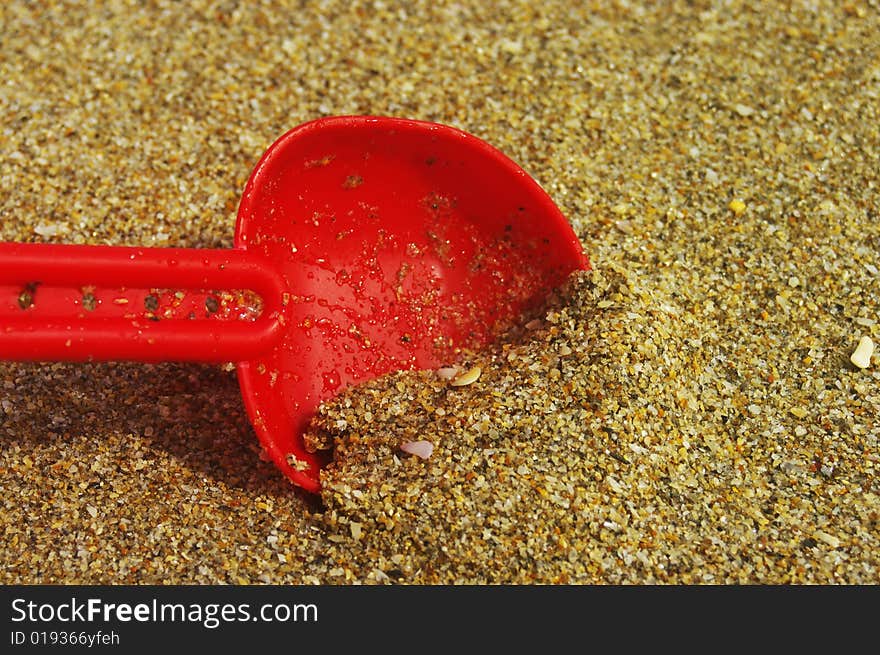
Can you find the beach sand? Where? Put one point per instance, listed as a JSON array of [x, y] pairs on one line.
[[685, 413]]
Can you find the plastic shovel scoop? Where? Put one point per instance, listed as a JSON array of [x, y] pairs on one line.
[[363, 245]]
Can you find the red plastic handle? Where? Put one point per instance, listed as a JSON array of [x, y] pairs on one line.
[[83, 303]]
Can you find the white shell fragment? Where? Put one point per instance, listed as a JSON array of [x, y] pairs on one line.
[[861, 357], [421, 449], [468, 377], [447, 372], [50, 229]]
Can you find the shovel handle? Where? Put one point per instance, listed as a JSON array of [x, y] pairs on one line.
[[85, 303]]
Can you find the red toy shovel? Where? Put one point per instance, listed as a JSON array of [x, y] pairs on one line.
[[363, 245]]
